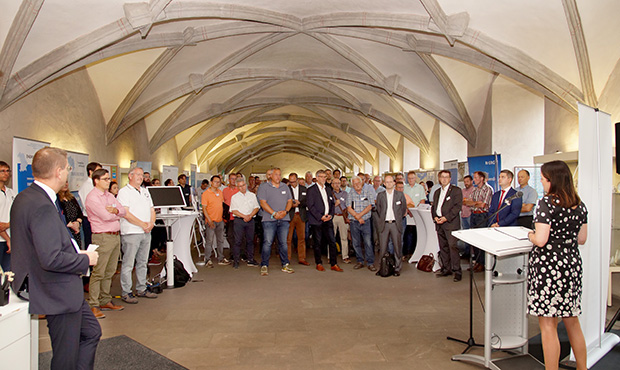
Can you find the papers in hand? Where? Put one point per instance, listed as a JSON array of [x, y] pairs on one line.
[[92, 247]]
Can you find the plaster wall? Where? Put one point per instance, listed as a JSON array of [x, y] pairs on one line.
[[561, 129], [67, 114], [367, 167], [384, 163], [518, 124], [411, 156], [430, 160], [452, 145]]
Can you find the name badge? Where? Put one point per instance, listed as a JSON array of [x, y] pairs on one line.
[[398, 203], [303, 193], [364, 198], [217, 195], [283, 191], [448, 198], [342, 199], [330, 198]]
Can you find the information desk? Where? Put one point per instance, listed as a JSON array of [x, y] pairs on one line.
[[179, 224], [19, 336], [427, 235], [505, 296]]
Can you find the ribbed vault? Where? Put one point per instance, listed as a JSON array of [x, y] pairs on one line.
[[234, 83]]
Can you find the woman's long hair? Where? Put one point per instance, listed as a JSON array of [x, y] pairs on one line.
[[561, 188], [65, 194]]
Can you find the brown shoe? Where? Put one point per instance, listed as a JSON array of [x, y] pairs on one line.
[[98, 314], [358, 266], [336, 268], [478, 268], [320, 267], [110, 306], [372, 268], [304, 262], [346, 260]]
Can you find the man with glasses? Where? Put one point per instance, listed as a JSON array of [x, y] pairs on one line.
[[136, 229], [6, 200], [86, 187], [105, 213]]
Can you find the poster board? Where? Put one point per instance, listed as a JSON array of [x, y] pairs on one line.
[[113, 170], [23, 152], [79, 173], [487, 164], [169, 172]]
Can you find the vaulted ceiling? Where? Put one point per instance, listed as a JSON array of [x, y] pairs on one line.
[[336, 81]]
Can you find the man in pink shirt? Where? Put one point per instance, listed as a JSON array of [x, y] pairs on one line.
[[104, 214]]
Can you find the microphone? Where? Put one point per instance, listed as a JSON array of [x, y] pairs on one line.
[[519, 194]]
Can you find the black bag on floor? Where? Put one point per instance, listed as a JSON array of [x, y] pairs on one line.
[[387, 267], [181, 276]]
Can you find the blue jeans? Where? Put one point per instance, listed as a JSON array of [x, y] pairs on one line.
[[271, 229], [136, 249], [362, 233]]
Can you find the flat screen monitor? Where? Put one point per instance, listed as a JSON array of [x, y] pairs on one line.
[[166, 196]]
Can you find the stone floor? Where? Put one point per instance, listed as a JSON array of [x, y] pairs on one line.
[[236, 319]]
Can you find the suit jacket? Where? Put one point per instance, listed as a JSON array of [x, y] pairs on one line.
[[399, 206], [316, 207], [450, 209], [507, 216], [303, 193], [42, 251]]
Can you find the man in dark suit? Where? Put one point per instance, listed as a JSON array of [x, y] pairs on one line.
[[391, 208], [46, 257], [298, 217], [509, 215], [321, 203], [446, 208]]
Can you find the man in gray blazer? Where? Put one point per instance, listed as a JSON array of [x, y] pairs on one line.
[[446, 208], [391, 208], [46, 257]]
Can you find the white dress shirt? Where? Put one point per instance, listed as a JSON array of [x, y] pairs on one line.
[[324, 196], [243, 203], [389, 215], [85, 189], [296, 196], [442, 197]]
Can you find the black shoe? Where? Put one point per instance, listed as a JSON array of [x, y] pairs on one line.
[[442, 273], [458, 277], [252, 263], [396, 273], [236, 265]]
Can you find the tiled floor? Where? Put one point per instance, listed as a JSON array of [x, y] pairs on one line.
[[236, 319]]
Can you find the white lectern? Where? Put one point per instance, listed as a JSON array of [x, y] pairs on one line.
[[505, 296]]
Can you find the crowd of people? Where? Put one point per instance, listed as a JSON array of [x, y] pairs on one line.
[[41, 229]]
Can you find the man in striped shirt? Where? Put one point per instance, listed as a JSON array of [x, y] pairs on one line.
[[479, 203]]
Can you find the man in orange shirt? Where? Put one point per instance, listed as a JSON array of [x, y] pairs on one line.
[[213, 208]]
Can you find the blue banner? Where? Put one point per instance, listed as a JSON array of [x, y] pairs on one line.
[[488, 165]]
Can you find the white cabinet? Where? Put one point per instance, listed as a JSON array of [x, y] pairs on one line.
[[19, 336]]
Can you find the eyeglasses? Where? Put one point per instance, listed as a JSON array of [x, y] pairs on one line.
[[5, 171], [105, 179], [69, 168]]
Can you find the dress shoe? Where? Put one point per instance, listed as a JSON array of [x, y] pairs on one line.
[[358, 266], [110, 306], [346, 260], [457, 277], [98, 314], [320, 267], [337, 268], [397, 273], [304, 262], [442, 273], [372, 268], [478, 268]]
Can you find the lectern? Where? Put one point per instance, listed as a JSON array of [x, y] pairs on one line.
[[505, 296]]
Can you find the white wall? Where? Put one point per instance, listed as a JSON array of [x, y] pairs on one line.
[[411, 156], [384, 163], [518, 124], [367, 167], [451, 145]]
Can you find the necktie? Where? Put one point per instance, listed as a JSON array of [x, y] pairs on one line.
[[62, 216], [501, 197]]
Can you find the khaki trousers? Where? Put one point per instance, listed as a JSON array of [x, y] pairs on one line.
[[339, 224], [297, 224], [101, 277]]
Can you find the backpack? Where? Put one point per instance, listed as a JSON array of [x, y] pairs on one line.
[[387, 267], [181, 276]]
